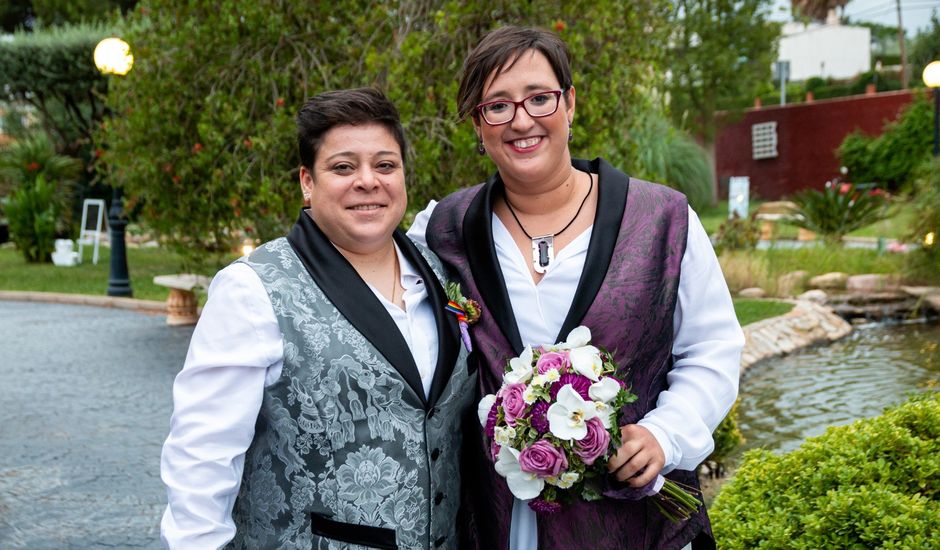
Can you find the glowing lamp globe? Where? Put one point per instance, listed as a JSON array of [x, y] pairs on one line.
[[113, 56], [932, 75]]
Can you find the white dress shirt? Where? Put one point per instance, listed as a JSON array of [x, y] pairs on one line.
[[707, 342], [236, 351]]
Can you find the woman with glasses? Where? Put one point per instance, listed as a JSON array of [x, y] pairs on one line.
[[549, 243]]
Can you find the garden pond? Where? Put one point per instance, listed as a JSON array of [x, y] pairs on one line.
[[785, 400]]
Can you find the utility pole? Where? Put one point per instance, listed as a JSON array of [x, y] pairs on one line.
[[904, 75]]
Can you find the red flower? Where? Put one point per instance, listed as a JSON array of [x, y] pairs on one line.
[[877, 192], [99, 153], [247, 143], [845, 188], [167, 167], [33, 166], [279, 102], [176, 179], [248, 230], [560, 25], [197, 148]]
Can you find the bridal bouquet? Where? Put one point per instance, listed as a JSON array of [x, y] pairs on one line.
[[554, 423]]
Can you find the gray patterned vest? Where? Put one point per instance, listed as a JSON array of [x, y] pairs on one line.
[[626, 296], [346, 452]]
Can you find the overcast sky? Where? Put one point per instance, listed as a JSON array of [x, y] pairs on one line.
[[915, 14]]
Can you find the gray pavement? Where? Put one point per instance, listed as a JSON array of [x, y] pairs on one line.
[[85, 403]]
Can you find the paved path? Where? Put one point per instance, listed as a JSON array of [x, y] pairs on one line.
[[85, 402]]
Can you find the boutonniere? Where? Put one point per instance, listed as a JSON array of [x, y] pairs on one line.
[[466, 310]]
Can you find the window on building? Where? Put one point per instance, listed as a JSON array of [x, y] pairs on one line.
[[764, 140]]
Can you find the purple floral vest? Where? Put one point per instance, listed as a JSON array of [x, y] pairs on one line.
[[626, 296]]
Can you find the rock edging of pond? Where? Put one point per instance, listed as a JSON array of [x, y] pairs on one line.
[[806, 324]]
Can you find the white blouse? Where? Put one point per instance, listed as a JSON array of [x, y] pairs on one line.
[[235, 352], [707, 343]]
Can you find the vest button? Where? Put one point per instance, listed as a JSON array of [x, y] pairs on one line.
[[435, 454], [432, 412], [438, 498], [440, 541]]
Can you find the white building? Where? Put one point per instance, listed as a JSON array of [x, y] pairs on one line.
[[827, 51]]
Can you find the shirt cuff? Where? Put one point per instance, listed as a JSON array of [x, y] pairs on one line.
[[669, 448]]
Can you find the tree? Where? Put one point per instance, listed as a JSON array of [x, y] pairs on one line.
[[203, 138], [722, 53], [926, 46], [817, 10]]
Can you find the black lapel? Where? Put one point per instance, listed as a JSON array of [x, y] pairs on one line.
[[448, 333], [337, 278], [481, 253], [612, 188]]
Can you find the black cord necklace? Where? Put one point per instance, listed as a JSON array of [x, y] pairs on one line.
[[543, 246]]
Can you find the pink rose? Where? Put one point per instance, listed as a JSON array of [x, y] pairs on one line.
[[552, 360], [543, 459], [513, 403], [594, 444]]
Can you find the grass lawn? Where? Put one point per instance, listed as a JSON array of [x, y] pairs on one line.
[[87, 278], [751, 311]]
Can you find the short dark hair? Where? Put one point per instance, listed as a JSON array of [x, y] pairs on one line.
[[502, 46], [356, 106]]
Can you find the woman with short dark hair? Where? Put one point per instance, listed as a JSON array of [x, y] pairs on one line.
[[320, 400], [549, 243]]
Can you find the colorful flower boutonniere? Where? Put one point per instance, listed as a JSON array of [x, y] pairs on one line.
[[466, 310]]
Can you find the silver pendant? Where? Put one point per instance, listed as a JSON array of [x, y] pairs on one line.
[[543, 252]]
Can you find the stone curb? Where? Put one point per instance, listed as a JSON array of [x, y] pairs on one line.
[[142, 306], [805, 325]]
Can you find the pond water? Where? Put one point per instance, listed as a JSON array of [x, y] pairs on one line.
[[786, 400]]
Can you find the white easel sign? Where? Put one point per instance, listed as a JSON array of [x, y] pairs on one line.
[[92, 225], [738, 196]]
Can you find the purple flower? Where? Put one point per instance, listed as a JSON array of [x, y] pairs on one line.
[[513, 403], [491, 418], [552, 360], [579, 383], [539, 416], [594, 444], [494, 450], [544, 506], [543, 459]]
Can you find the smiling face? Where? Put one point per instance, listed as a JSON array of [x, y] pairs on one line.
[[528, 151], [357, 187]]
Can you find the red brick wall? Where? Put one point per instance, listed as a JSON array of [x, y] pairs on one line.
[[808, 135]]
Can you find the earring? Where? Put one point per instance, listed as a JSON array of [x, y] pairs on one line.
[[306, 196], [480, 148], [570, 135]]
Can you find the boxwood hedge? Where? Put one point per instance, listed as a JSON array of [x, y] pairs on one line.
[[872, 484]]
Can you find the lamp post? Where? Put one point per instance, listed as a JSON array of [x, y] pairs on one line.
[[932, 80], [113, 56]]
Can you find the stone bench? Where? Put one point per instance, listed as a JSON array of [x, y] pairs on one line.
[[771, 213], [181, 304]]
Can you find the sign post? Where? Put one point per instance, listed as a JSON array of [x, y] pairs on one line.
[[92, 218], [738, 196]]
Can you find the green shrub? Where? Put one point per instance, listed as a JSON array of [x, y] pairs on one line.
[[838, 210], [737, 233], [669, 156], [891, 159], [728, 438], [872, 484], [33, 212], [53, 70], [923, 263], [31, 156]]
